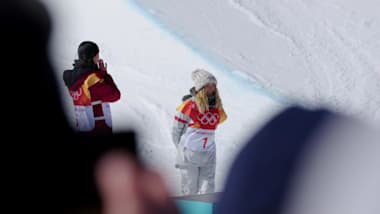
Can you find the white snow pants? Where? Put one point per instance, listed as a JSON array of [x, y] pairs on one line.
[[198, 172]]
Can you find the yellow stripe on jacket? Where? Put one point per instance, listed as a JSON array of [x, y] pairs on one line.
[[91, 80]]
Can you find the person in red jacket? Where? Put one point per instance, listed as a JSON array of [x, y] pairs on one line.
[[92, 89]]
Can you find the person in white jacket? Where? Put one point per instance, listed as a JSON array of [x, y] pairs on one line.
[[193, 134]]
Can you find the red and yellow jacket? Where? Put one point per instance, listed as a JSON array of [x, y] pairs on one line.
[[91, 91]]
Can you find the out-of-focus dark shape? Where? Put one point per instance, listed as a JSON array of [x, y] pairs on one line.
[[126, 187], [306, 162], [48, 168]]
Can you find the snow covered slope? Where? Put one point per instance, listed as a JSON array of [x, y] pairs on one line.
[[152, 69], [315, 52]]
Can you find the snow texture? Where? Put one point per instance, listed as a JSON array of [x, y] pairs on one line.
[[312, 52]]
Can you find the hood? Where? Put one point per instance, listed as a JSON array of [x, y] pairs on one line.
[[71, 77]]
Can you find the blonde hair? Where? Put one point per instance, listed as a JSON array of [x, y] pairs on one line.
[[201, 100]]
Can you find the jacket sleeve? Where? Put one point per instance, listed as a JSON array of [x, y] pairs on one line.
[[179, 127], [105, 89], [223, 115]]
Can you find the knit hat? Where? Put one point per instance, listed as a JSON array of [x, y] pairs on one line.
[[201, 78], [87, 50]]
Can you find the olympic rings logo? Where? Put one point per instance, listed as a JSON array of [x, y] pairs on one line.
[[76, 94], [208, 118]]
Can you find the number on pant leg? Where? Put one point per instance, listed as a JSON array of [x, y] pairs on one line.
[[205, 142]]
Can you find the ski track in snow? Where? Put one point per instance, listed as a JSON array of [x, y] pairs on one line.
[[299, 48], [267, 26], [259, 21], [346, 60]]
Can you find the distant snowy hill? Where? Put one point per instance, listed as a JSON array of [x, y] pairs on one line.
[[314, 52]]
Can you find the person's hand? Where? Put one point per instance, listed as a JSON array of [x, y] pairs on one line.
[[102, 65], [127, 188]]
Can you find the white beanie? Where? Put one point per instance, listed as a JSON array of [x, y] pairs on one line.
[[201, 78]]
